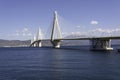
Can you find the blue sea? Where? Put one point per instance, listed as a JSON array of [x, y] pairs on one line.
[[59, 64]]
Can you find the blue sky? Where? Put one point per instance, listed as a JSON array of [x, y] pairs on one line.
[[20, 19]]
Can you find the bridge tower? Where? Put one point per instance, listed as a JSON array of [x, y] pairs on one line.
[[34, 39], [56, 34], [39, 38], [101, 44]]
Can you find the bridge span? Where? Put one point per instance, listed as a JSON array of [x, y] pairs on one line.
[[97, 43]]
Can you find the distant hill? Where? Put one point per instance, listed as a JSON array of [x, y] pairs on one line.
[[14, 43]]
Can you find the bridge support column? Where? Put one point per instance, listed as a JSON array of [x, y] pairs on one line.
[[35, 44], [39, 43], [56, 43], [101, 44]]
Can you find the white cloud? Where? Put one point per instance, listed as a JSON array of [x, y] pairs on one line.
[[25, 30], [78, 26], [17, 34], [23, 34], [29, 34], [96, 32], [93, 22], [65, 33], [107, 30]]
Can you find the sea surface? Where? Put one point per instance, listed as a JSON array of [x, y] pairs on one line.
[[59, 64]]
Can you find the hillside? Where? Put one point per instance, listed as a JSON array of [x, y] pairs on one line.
[[14, 43]]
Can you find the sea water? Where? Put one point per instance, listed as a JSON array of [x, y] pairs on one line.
[[58, 64]]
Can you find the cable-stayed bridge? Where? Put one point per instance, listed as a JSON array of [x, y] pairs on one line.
[[97, 43]]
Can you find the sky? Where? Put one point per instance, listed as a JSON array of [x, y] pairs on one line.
[[20, 19]]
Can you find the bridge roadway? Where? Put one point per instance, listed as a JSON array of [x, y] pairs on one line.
[[101, 38], [92, 38], [97, 43]]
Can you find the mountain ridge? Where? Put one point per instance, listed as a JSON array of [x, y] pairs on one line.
[[14, 43]]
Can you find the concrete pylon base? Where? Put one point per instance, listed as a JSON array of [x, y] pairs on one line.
[[39, 44], [101, 45], [56, 43]]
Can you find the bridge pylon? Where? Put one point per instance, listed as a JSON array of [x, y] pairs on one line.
[[56, 34], [34, 39], [39, 38]]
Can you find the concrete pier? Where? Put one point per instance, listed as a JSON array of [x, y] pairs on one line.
[[101, 44], [56, 43], [39, 43]]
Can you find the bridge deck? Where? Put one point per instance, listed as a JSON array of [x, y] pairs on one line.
[[115, 37]]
